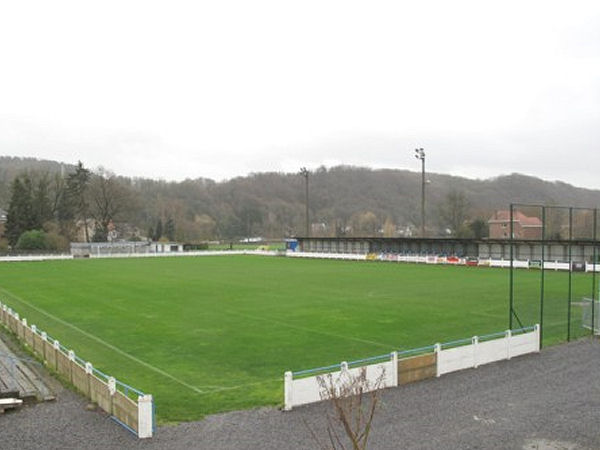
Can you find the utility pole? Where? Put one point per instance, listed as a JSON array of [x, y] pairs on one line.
[[304, 172], [420, 154]]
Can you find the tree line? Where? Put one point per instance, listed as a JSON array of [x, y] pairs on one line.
[[70, 203], [47, 211]]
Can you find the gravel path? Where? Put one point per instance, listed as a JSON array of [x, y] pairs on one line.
[[545, 401]]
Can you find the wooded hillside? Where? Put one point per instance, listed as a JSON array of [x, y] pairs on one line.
[[343, 200]]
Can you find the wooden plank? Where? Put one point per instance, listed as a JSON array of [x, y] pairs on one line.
[[38, 345], [10, 402], [80, 379], [100, 394], [12, 323], [417, 368], [8, 376], [18, 376], [126, 410], [50, 353], [20, 328], [29, 337], [63, 365]]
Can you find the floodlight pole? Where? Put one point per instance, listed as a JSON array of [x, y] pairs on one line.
[[420, 154], [304, 172], [512, 267]]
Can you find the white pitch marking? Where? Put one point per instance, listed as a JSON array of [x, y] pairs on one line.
[[364, 341], [103, 342], [239, 386]]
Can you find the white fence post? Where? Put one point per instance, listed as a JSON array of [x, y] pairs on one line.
[[474, 343], [394, 356], [112, 385], [288, 379], [536, 329], [437, 350], [145, 416], [508, 336]]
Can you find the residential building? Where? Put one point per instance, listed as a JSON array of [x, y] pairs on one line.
[[524, 227]]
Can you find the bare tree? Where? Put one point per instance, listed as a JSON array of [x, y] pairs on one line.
[[353, 400], [454, 212], [109, 198]]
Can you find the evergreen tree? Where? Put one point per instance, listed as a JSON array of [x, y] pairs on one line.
[[77, 185], [20, 215], [158, 230], [170, 229], [40, 203], [100, 233], [479, 227]]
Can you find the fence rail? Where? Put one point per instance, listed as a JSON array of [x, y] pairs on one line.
[[128, 406]]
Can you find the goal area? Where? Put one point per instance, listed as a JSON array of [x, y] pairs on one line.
[[590, 314]]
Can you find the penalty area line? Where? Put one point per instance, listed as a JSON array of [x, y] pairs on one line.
[[310, 330], [239, 386], [103, 342]]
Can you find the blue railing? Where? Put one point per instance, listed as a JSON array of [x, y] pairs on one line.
[[411, 352], [124, 388]]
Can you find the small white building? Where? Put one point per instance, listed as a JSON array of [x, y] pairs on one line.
[[165, 247]]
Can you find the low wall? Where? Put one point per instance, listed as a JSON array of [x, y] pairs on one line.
[[590, 267], [135, 414], [142, 255], [399, 368], [34, 258], [316, 388], [346, 256], [479, 353]]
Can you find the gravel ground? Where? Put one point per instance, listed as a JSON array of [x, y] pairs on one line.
[[545, 401]]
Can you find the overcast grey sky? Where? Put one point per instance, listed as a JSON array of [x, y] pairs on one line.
[[223, 88]]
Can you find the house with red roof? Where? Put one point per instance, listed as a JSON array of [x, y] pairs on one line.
[[524, 227]]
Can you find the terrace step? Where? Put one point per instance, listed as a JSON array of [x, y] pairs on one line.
[[18, 380]]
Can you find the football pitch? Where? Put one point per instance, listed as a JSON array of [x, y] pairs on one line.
[[212, 334]]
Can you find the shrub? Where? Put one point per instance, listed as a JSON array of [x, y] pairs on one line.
[[55, 241], [32, 240], [39, 240]]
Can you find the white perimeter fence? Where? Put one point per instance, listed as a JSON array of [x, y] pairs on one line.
[[397, 368], [142, 255], [390, 257], [446, 260], [128, 406]]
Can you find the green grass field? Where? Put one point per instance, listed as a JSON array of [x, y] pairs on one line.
[[210, 334]]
